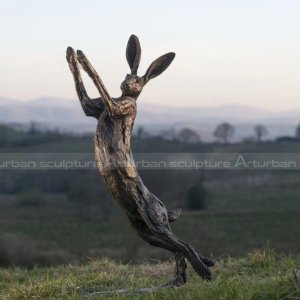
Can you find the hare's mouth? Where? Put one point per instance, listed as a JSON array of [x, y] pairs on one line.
[[130, 90]]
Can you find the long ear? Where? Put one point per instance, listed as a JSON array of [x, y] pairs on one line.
[[158, 66], [133, 53]]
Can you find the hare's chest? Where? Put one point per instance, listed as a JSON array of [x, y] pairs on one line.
[[114, 133]]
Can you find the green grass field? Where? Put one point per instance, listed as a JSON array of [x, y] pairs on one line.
[[49, 250], [260, 275], [237, 221]]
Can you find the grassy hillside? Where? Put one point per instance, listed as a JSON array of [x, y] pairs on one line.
[[260, 275], [236, 222], [53, 216]]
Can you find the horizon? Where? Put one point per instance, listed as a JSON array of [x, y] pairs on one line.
[[226, 53], [212, 106]]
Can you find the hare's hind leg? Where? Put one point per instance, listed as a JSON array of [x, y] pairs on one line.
[[199, 263], [160, 235], [91, 107], [155, 216], [180, 267], [180, 263], [180, 270]]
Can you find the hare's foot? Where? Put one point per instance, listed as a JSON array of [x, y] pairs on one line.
[[207, 261], [180, 272], [180, 268], [199, 263], [176, 282]]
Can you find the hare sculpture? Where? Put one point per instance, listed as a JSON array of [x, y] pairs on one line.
[[146, 213]]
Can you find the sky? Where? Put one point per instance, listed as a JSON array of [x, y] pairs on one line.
[[227, 52]]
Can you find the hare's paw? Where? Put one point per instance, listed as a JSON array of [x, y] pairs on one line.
[[81, 56], [72, 60], [70, 56], [86, 65], [208, 261]]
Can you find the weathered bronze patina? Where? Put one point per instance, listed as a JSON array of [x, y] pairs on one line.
[[146, 213]]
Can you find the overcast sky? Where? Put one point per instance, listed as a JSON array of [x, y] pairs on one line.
[[242, 52]]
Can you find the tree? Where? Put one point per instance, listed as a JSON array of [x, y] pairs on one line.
[[196, 197], [298, 132], [260, 132], [189, 136], [168, 134], [33, 128], [3, 135], [141, 132], [224, 132]]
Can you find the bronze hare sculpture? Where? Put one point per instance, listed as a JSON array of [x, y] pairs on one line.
[[146, 213]]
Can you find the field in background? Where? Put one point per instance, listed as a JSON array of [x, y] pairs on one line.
[[43, 222]]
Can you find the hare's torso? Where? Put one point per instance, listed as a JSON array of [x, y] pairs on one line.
[[115, 162]]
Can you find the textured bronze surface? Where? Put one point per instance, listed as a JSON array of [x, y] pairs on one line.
[[146, 213]]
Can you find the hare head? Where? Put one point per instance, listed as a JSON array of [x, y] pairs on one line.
[[133, 84]]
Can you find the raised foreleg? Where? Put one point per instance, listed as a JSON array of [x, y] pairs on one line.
[[91, 107]]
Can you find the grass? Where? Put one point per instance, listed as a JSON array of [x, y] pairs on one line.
[[247, 210], [237, 222], [260, 275], [30, 241]]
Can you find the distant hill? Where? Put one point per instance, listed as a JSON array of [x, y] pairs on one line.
[[66, 114]]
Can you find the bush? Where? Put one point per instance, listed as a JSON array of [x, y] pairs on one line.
[[196, 197], [88, 193], [30, 198]]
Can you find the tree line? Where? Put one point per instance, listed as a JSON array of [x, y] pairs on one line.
[[223, 133]]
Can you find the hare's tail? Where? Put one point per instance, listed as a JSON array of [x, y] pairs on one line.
[[173, 215]]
